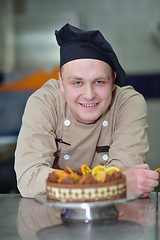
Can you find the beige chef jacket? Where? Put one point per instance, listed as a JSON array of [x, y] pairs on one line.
[[50, 136]]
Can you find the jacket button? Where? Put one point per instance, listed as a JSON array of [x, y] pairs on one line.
[[105, 157], [105, 123], [67, 123], [66, 157]]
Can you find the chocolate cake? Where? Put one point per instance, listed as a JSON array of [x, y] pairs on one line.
[[86, 185]]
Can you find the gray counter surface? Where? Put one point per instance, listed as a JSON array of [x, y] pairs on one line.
[[24, 218]]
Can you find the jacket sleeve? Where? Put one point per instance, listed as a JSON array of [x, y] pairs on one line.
[[36, 146], [129, 139]]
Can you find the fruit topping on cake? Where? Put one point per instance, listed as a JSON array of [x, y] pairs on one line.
[[86, 185]]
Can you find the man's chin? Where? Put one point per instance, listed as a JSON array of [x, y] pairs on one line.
[[88, 120]]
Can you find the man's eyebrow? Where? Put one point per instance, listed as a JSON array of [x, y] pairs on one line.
[[103, 77], [74, 77], [96, 78]]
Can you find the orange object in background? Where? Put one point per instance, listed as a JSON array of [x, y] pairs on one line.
[[30, 82]]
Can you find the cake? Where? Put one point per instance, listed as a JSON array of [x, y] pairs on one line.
[[86, 185]]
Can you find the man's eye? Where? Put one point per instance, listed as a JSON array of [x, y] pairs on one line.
[[77, 83], [99, 82]]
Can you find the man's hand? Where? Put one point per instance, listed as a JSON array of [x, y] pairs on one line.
[[141, 180]]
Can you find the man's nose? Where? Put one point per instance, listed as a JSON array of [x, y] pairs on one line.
[[89, 93]]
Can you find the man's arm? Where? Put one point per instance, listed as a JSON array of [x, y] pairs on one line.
[[36, 147], [129, 138], [130, 144]]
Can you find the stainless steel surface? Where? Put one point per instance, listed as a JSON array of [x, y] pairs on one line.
[[88, 214], [88, 211], [23, 218]]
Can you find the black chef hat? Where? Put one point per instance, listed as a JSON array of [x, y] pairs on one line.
[[79, 44]]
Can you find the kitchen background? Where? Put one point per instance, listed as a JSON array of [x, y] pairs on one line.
[[29, 56]]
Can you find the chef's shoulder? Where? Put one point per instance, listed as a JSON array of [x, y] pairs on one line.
[[50, 89], [129, 96], [43, 105], [49, 92]]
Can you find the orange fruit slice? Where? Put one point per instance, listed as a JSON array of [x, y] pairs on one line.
[[83, 178], [85, 169], [98, 172], [110, 170], [62, 176], [98, 169], [59, 171], [157, 170], [75, 177], [69, 170]]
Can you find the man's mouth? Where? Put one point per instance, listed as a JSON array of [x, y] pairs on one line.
[[89, 104]]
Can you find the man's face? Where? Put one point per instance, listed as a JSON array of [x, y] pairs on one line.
[[87, 85]]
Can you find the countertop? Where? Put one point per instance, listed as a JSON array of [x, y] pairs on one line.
[[24, 218]]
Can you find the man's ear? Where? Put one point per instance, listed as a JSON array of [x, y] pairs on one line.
[[61, 82], [114, 79]]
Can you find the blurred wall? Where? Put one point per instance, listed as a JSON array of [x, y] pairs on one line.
[[153, 156], [128, 25]]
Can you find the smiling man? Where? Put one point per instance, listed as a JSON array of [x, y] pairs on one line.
[[88, 85], [88, 116]]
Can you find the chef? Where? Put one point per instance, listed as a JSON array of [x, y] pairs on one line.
[[89, 116]]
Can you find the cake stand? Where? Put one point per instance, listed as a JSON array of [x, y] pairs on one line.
[[87, 211]]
